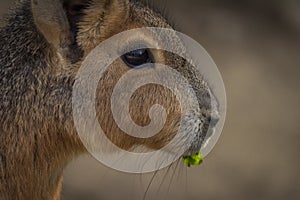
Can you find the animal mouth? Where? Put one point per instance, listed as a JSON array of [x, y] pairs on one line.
[[200, 127]]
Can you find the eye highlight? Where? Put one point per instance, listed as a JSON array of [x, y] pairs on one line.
[[138, 57]]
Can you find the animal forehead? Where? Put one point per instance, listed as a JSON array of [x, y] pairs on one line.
[[147, 16], [77, 1]]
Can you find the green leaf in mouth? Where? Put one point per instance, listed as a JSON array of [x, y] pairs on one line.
[[193, 160]]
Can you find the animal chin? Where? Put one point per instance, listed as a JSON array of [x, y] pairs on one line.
[[199, 127]]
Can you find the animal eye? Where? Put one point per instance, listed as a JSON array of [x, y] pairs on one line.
[[138, 57]]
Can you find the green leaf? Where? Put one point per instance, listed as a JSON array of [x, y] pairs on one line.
[[193, 160]]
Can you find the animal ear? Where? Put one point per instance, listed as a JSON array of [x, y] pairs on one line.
[[57, 21], [104, 18]]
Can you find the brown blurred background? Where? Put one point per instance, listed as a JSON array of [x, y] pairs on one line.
[[256, 45]]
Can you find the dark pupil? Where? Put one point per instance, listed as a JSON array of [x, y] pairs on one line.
[[137, 58]]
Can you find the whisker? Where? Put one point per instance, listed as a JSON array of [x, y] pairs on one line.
[[149, 185], [169, 187], [186, 180], [164, 177]]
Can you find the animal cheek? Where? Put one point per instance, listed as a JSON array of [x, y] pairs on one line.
[[142, 101], [140, 105]]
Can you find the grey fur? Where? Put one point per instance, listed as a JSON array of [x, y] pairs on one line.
[[37, 135]]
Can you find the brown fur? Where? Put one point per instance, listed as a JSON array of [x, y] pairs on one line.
[[42, 48]]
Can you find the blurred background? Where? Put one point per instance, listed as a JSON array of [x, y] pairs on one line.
[[256, 45]]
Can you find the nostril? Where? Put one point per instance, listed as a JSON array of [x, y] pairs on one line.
[[214, 119]]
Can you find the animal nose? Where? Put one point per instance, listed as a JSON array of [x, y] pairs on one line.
[[214, 113], [214, 119]]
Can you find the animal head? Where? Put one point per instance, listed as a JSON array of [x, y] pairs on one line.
[[73, 28]]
